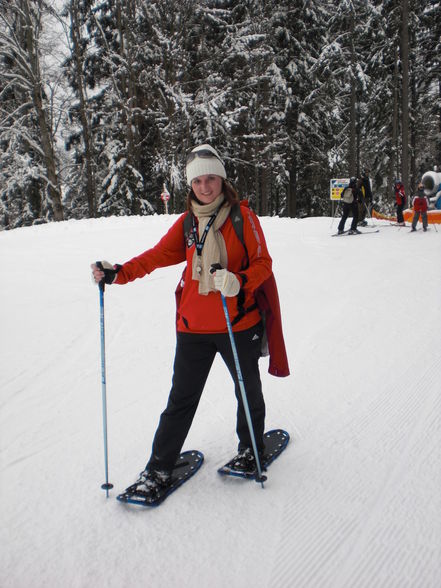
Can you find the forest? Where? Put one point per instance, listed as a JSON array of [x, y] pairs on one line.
[[101, 101]]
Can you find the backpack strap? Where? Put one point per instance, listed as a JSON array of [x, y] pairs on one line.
[[237, 222], [187, 226]]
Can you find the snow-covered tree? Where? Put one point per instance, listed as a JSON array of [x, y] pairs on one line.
[[30, 186], [103, 70], [290, 93]]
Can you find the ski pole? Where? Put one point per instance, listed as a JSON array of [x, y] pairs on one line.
[[369, 214], [335, 214], [106, 486], [260, 478]]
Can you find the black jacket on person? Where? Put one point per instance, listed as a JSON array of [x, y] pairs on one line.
[[366, 184], [358, 194]]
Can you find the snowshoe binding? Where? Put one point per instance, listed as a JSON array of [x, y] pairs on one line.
[[152, 487], [243, 465]]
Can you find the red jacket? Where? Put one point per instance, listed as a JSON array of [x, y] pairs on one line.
[[420, 204], [199, 314], [204, 314], [267, 299], [400, 196]]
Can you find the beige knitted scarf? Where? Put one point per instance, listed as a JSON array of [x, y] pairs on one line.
[[214, 249]]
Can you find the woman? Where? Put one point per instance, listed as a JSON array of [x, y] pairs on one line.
[[201, 325]]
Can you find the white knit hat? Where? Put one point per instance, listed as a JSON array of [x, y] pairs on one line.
[[203, 164]]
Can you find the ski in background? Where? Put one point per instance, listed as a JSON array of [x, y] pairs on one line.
[[349, 233]]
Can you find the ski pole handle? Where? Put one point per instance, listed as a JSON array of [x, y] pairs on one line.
[[102, 283], [214, 267]]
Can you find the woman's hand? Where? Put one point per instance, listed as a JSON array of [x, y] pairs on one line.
[[226, 282], [103, 270]]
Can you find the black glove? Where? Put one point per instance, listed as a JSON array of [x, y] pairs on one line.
[[109, 270]]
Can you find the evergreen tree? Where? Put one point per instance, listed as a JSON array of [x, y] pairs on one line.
[[299, 35], [291, 93], [81, 190], [108, 137], [426, 85]]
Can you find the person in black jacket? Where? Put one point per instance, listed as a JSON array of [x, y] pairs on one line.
[[366, 197], [350, 197]]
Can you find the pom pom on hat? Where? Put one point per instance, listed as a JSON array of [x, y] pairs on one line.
[[201, 165]]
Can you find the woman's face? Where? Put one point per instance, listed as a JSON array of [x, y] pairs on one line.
[[207, 188]]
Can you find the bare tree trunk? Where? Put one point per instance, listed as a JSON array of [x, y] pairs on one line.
[[352, 134], [393, 153], [265, 174], [413, 135], [292, 187], [84, 116], [126, 16], [257, 185], [53, 187], [266, 188], [353, 115], [358, 139], [439, 118], [291, 193], [405, 93]]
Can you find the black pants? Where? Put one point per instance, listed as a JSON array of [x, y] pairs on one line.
[[361, 211], [400, 217], [194, 357], [347, 208], [416, 218]]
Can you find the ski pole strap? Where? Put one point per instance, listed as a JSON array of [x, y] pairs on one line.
[[242, 311]]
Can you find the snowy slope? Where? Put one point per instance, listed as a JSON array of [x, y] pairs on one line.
[[354, 501]]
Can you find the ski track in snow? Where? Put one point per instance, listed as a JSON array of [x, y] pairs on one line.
[[353, 537], [353, 502]]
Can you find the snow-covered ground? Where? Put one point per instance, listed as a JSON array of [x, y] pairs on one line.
[[354, 501]]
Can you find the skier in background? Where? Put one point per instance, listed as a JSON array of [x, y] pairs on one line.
[[350, 198], [365, 203], [420, 205], [400, 199]]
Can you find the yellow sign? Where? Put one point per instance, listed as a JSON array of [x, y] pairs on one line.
[[337, 186]]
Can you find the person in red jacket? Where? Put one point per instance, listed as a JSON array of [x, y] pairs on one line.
[[201, 325], [400, 199], [420, 205]]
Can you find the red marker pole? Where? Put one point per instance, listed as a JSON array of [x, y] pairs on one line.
[[165, 197]]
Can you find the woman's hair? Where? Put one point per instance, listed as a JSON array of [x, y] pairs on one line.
[[231, 196]]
